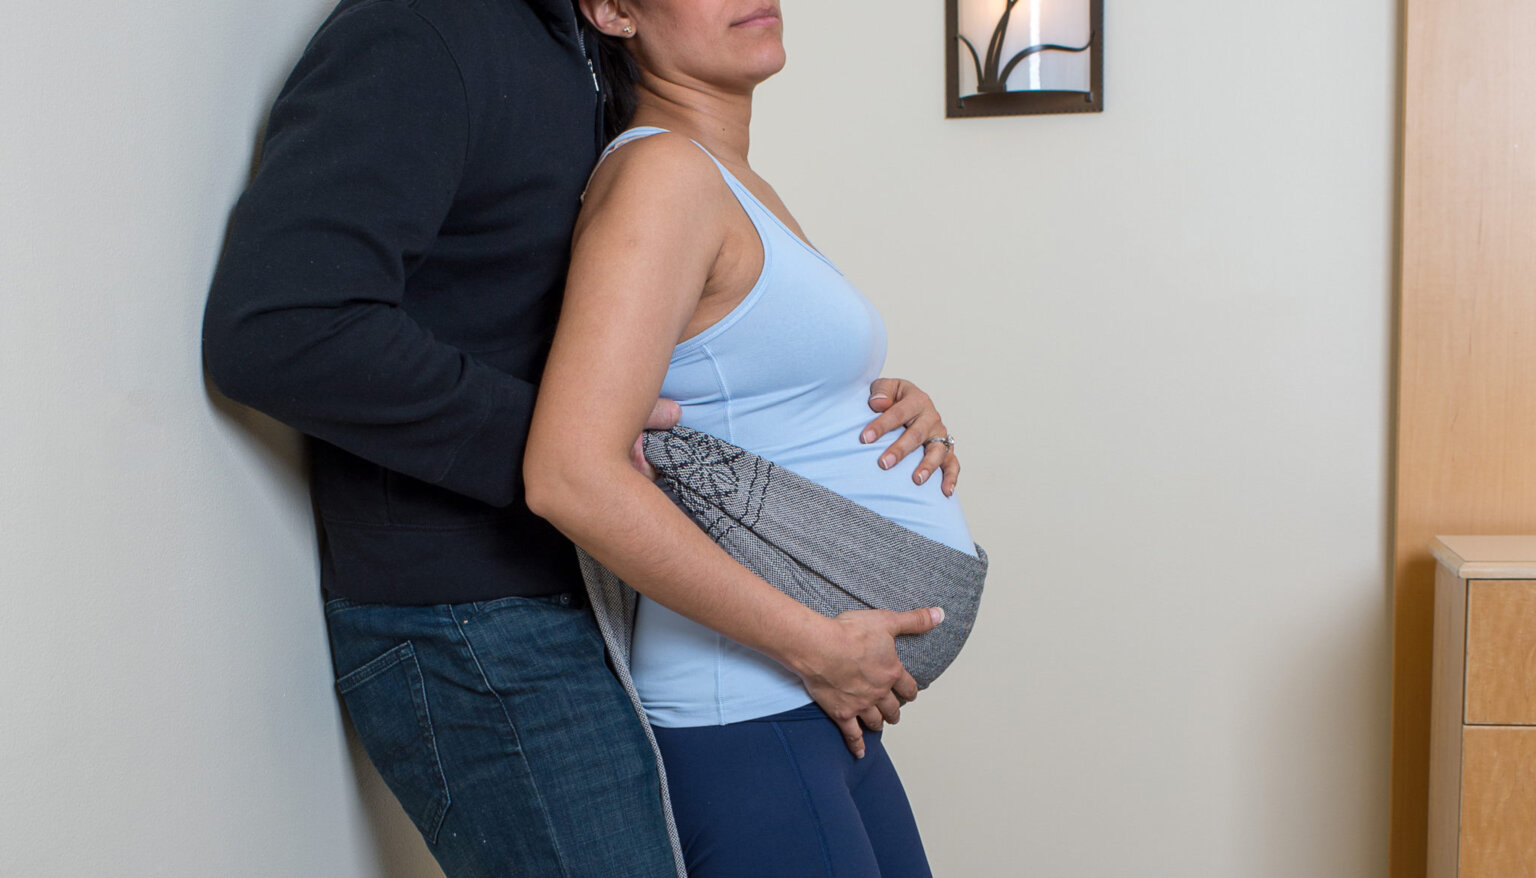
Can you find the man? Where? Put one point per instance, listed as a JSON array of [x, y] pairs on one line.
[[390, 287]]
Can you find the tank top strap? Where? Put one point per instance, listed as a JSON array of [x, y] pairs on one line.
[[628, 136]]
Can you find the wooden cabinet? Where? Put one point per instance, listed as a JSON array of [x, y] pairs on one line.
[[1482, 774]]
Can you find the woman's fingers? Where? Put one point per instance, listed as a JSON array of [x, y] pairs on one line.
[[899, 403], [638, 461], [889, 420], [922, 427], [903, 404], [664, 415], [951, 469], [872, 719], [882, 391], [935, 454], [874, 686], [853, 735]]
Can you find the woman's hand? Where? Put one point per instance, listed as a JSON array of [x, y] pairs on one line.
[[901, 404], [664, 416], [850, 668]]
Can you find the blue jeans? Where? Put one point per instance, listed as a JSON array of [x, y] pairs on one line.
[[504, 735]]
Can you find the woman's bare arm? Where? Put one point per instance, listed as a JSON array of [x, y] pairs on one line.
[[645, 247]]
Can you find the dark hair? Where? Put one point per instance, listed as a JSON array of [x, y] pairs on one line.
[[620, 77]]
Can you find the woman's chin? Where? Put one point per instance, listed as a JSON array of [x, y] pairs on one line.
[[767, 62]]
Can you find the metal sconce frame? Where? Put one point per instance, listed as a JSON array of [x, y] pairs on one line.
[[992, 71]]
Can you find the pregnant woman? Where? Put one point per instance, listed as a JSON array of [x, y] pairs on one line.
[[690, 280]]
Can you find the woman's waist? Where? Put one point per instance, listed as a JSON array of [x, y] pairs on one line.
[[688, 675]]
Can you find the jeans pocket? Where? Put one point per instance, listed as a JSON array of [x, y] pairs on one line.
[[336, 605], [387, 701]]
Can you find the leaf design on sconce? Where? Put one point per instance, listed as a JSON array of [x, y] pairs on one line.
[[989, 78]]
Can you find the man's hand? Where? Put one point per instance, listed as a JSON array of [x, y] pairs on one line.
[[664, 416], [853, 671], [902, 404]]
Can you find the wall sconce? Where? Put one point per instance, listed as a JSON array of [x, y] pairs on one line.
[[1018, 57]]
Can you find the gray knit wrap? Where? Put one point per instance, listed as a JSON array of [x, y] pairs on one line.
[[815, 545]]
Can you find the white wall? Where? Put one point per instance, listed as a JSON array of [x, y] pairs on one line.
[[165, 704], [1161, 334]]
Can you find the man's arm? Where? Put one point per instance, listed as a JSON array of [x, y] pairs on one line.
[[364, 153]]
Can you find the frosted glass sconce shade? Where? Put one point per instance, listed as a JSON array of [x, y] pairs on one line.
[[1009, 57]]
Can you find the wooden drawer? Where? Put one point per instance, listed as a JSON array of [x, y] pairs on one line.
[[1498, 806], [1482, 781], [1501, 652]]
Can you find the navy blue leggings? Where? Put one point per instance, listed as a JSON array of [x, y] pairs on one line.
[[781, 796]]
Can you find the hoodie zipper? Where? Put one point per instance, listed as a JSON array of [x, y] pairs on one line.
[[581, 40]]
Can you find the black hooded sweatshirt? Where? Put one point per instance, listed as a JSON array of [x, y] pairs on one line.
[[392, 280]]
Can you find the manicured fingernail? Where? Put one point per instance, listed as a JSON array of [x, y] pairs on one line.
[[949, 492], [921, 476], [867, 437], [937, 613], [887, 461], [875, 396]]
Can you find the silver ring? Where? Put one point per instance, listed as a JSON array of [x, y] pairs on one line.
[[949, 441]]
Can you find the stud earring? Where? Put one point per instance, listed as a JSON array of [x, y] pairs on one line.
[[629, 30]]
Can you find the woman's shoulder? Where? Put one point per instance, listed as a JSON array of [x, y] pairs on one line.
[[660, 164]]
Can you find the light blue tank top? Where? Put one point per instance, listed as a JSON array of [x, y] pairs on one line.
[[786, 376]]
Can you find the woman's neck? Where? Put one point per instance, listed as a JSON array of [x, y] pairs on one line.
[[719, 121]]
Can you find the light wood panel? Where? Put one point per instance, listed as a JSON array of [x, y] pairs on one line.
[[1466, 430], [1499, 802], [1445, 731], [1501, 653]]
